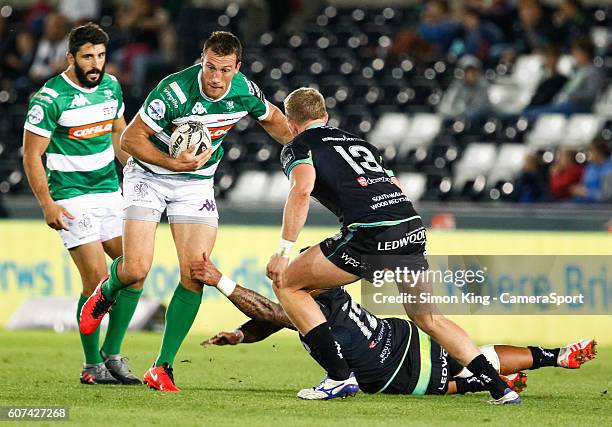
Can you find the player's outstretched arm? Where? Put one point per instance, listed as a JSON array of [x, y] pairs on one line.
[[252, 304], [119, 126], [252, 331], [135, 141], [276, 125], [34, 146]]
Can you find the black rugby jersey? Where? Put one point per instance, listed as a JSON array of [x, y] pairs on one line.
[[351, 180], [372, 347]]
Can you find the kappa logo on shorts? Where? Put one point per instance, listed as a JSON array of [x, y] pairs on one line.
[[209, 205], [141, 189]]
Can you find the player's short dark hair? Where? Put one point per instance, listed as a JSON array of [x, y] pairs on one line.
[[585, 44], [88, 33], [224, 43]]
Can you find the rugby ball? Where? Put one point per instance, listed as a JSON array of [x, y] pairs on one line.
[[188, 134]]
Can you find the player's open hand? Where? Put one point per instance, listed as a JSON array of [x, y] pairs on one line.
[[54, 216], [224, 338], [204, 271], [189, 161], [276, 269]]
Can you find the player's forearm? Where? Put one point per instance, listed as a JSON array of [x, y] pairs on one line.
[[120, 154], [260, 308], [139, 146], [258, 330], [295, 214], [37, 178], [277, 126]]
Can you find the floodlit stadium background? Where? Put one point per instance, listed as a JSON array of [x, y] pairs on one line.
[[385, 75]]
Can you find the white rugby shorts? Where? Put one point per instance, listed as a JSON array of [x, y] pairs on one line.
[[98, 217], [177, 195]]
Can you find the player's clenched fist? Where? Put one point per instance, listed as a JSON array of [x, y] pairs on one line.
[[205, 271], [189, 161], [54, 214], [276, 269]]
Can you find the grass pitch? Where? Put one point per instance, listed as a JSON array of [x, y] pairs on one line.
[[255, 384]]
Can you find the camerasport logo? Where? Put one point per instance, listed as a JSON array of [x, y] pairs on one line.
[[362, 180], [91, 131]]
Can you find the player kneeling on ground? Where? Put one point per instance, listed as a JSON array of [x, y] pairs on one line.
[[389, 355]]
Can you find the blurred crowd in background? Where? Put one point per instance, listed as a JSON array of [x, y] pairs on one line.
[[445, 58]]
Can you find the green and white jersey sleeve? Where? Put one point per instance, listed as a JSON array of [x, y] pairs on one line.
[[79, 124], [180, 95]]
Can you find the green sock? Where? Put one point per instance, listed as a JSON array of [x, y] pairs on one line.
[[180, 315], [119, 319], [113, 284], [90, 343]]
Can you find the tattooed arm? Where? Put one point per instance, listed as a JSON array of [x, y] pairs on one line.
[[252, 304]]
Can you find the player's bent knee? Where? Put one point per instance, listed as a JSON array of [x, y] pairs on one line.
[[134, 272]]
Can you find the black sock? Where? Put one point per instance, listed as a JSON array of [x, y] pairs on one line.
[[327, 352], [544, 356], [469, 385], [484, 371]]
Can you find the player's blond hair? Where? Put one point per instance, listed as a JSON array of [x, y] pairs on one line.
[[305, 104]]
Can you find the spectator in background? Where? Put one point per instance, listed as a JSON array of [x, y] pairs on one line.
[[35, 14], [50, 56], [432, 37], [596, 186], [436, 25], [79, 11], [581, 90], [467, 96], [570, 21], [479, 37], [531, 184], [502, 13], [149, 40], [552, 82], [17, 60], [564, 173], [532, 31]]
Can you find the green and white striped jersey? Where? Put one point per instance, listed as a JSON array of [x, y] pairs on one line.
[[79, 122], [180, 95]]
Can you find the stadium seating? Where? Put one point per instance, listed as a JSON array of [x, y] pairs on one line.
[[580, 130], [603, 107], [474, 166], [413, 184], [548, 131], [344, 52], [251, 186], [507, 164]]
